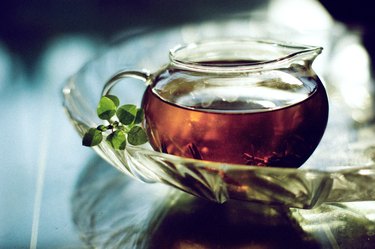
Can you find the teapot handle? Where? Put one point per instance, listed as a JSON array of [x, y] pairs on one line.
[[144, 76]]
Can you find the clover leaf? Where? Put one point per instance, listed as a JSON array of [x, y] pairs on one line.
[[126, 114], [123, 125], [137, 136], [92, 137], [139, 116], [106, 108], [117, 140]]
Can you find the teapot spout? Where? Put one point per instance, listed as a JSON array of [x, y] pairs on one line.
[[304, 55]]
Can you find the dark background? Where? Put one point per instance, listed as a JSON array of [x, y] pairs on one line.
[[25, 26], [358, 15]]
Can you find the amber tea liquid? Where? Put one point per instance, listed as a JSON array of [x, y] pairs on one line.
[[255, 124]]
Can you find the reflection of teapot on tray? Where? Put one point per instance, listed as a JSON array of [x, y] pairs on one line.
[[238, 101]]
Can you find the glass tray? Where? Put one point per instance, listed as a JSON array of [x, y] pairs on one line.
[[340, 170], [113, 211]]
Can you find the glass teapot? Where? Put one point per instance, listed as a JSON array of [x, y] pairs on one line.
[[242, 101]]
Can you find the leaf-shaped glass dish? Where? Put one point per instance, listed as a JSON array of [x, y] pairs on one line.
[[340, 170]]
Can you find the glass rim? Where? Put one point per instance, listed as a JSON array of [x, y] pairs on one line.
[[291, 52]]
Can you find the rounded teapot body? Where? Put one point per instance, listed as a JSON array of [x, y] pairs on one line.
[[243, 102]]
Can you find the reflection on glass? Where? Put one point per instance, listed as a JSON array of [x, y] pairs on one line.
[[113, 211]]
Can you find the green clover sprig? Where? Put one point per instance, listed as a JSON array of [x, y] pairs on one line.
[[122, 128]]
